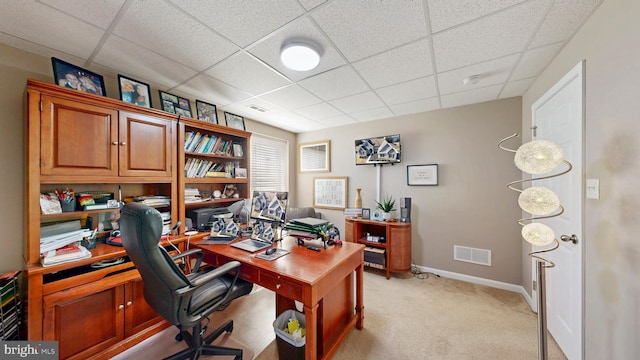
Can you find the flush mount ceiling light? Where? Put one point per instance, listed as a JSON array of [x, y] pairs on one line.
[[299, 56], [471, 80]]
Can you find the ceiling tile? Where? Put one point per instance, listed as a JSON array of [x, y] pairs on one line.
[[563, 20], [409, 91], [268, 49], [274, 116], [99, 13], [246, 73], [243, 22], [397, 56], [310, 4], [497, 35], [447, 13], [361, 28], [373, 114], [334, 84], [490, 72], [516, 88], [319, 111], [415, 107], [211, 90], [341, 120], [535, 60], [471, 97], [40, 24], [404, 63], [160, 26], [359, 102], [141, 63], [291, 97]]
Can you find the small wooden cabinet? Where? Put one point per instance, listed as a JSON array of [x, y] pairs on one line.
[[397, 243], [89, 318], [84, 139]]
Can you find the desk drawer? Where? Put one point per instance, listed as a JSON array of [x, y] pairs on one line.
[[280, 285]]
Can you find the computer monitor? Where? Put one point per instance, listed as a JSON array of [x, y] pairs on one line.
[[269, 206]]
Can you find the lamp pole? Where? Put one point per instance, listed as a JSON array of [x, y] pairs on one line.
[[542, 310]]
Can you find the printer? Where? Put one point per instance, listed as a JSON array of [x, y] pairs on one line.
[[203, 218]]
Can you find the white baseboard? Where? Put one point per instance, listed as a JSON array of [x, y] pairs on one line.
[[480, 281]]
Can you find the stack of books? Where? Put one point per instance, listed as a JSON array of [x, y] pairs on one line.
[[65, 254], [308, 228], [192, 195], [153, 200]]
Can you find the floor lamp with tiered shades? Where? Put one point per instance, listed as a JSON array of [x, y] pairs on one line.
[[540, 158]]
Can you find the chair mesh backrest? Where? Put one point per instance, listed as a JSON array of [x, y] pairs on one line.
[[141, 229]]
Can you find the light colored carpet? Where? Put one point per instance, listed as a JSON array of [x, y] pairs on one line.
[[438, 318], [405, 318]]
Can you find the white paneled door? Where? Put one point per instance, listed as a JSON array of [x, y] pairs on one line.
[[558, 116]]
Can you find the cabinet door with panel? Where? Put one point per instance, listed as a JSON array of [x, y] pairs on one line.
[[138, 315], [77, 138], [82, 139], [146, 145], [83, 320]]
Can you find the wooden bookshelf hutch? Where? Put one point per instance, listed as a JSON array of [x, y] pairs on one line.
[[93, 143]]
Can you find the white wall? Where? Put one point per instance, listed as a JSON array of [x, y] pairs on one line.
[[471, 206]]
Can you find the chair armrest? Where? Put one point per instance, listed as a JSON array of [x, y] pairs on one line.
[[184, 254], [210, 275]]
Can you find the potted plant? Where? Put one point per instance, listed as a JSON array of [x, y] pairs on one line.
[[387, 206]]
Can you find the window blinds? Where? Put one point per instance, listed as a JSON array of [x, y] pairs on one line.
[[268, 163]]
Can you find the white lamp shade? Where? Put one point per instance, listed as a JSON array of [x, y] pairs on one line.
[[538, 234], [538, 157], [538, 200], [299, 56]]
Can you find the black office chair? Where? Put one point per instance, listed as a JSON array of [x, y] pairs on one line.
[[183, 300]]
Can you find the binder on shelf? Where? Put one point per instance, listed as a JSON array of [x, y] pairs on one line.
[[96, 207]]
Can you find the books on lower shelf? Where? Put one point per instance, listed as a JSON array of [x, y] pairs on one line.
[[65, 254], [374, 257]]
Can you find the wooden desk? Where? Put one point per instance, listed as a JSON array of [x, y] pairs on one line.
[[322, 281]]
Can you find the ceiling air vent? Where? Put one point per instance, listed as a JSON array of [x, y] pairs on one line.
[[256, 108]]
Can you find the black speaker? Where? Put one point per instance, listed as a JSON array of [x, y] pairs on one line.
[[405, 209]]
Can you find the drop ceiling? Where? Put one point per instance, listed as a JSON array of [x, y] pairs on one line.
[[380, 58]]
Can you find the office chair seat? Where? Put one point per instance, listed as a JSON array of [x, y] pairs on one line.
[[184, 300]]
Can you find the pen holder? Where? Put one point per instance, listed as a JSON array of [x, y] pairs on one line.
[[88, 242], [68, 206]]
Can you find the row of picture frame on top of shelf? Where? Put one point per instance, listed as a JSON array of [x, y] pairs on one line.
[[137, 92]]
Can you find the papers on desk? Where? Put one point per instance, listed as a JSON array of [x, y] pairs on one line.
[[307, 228]]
